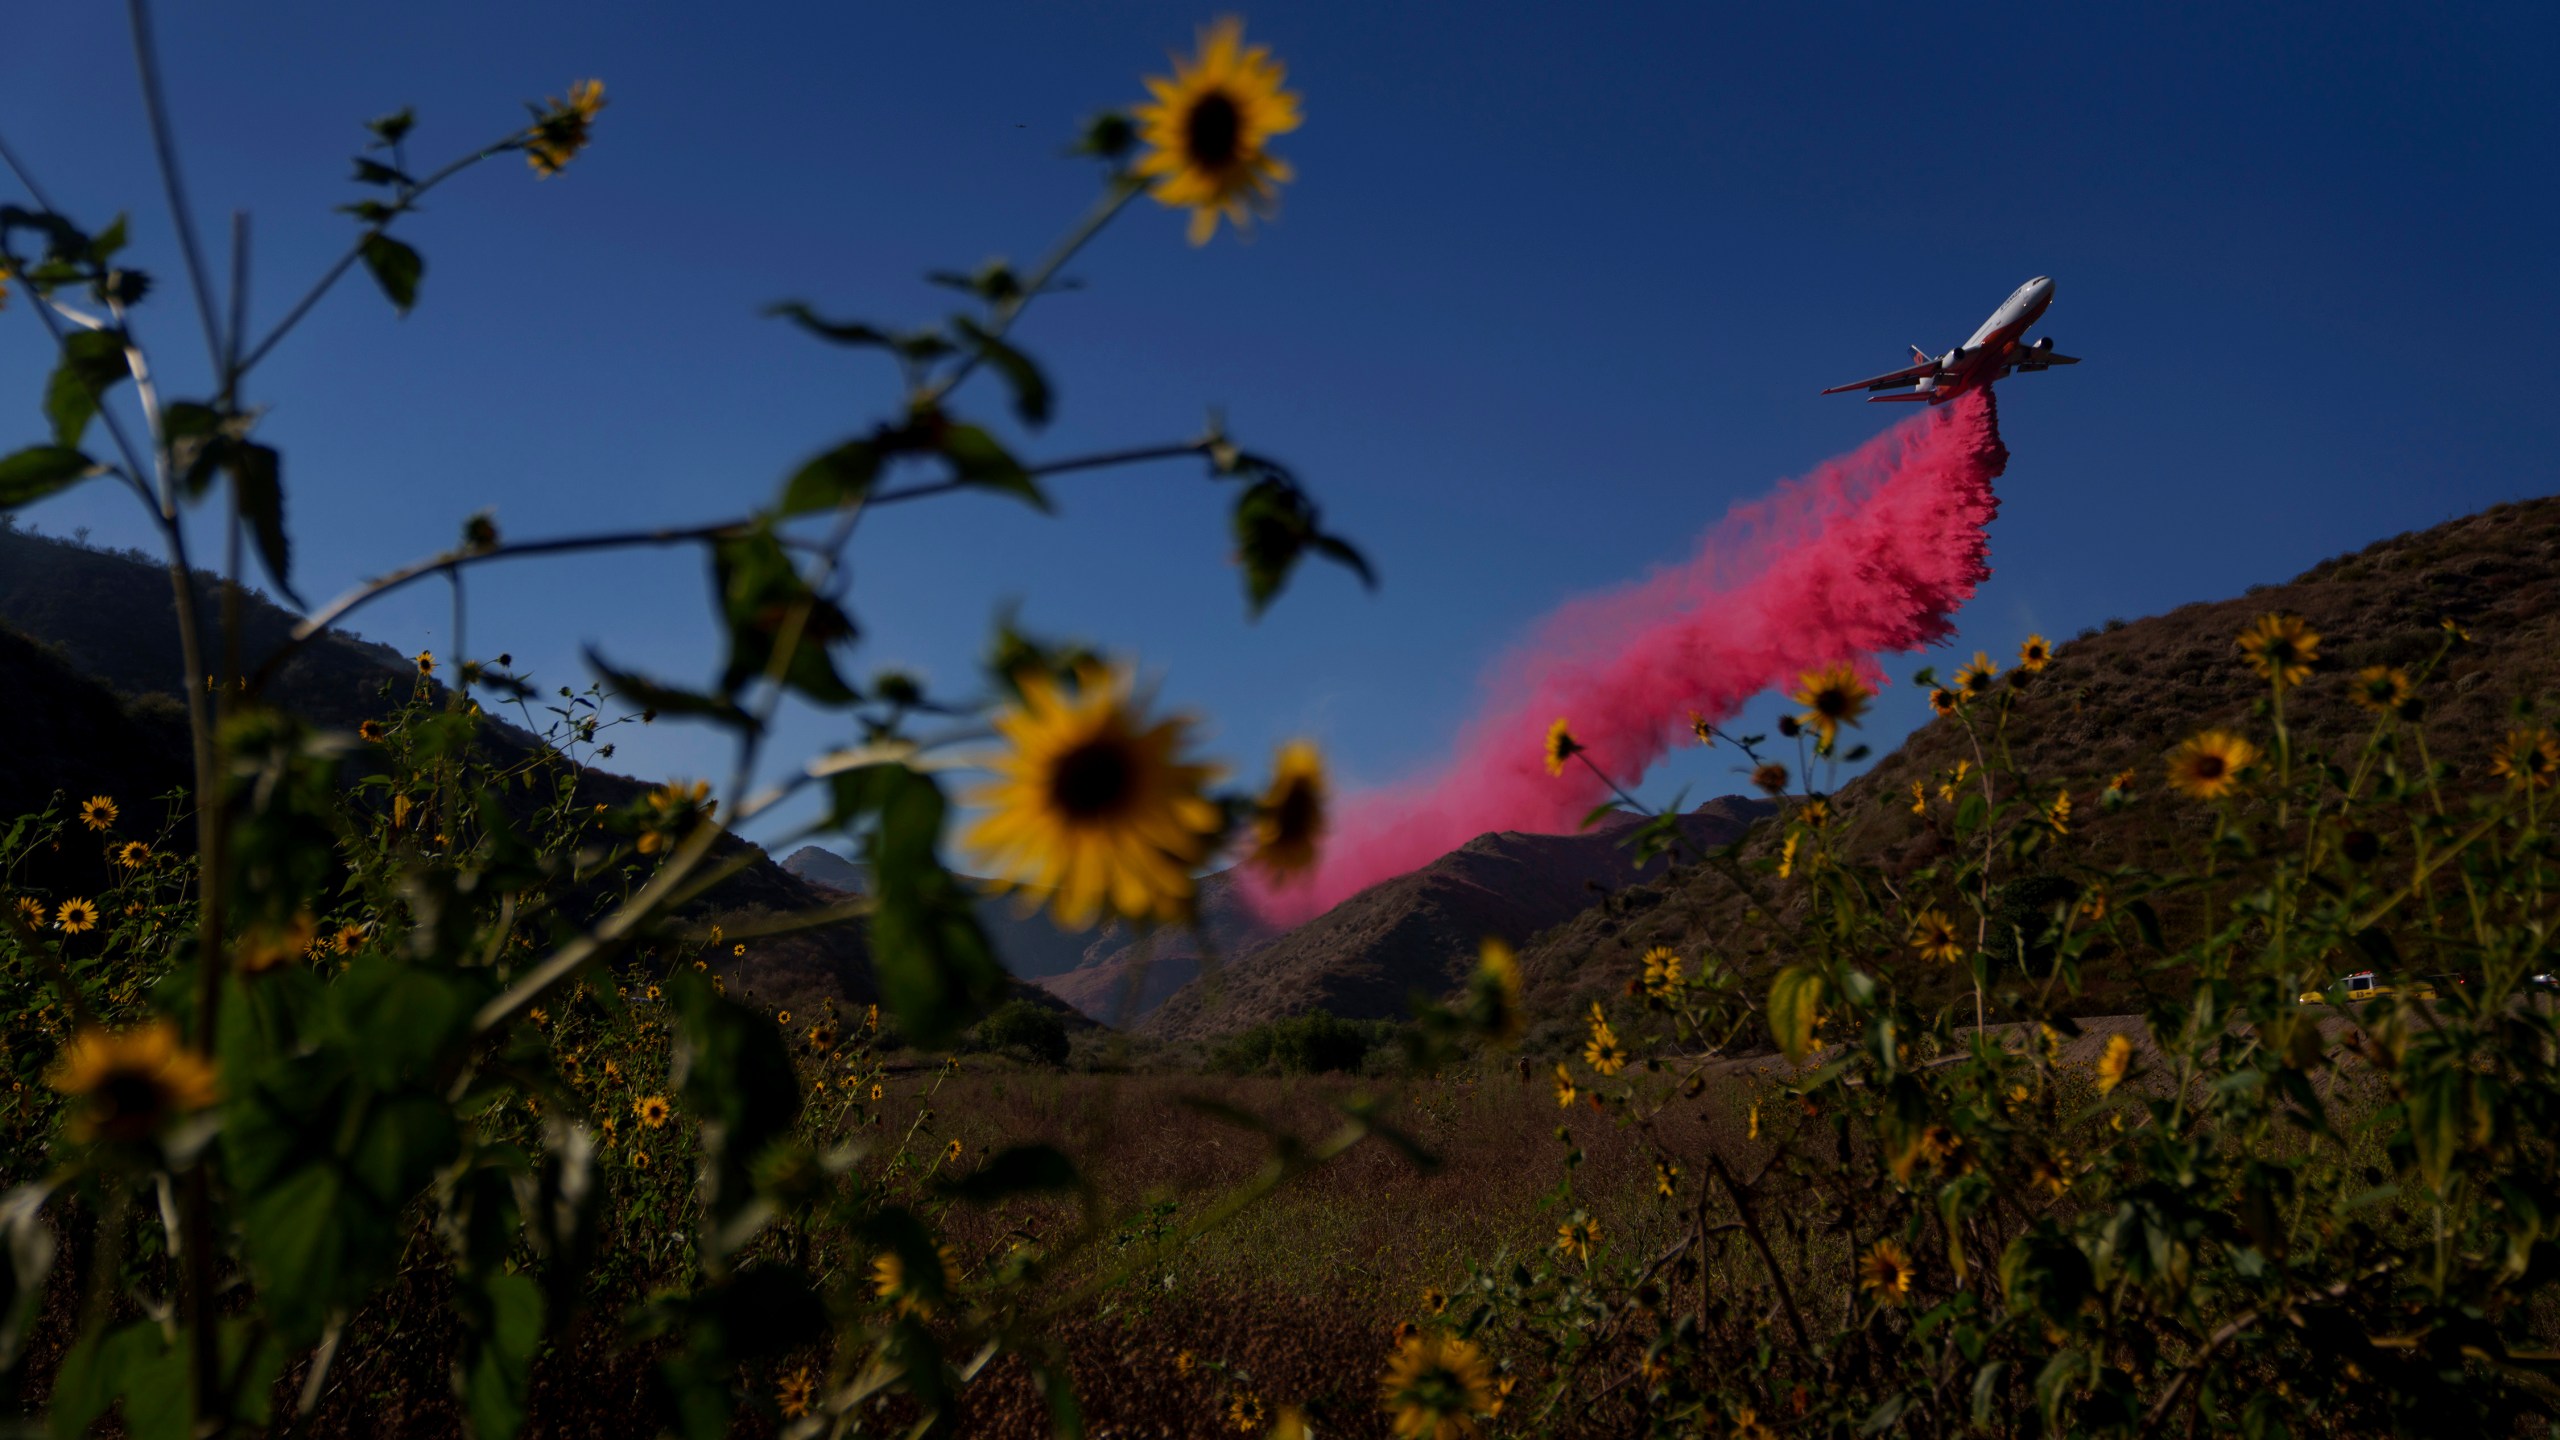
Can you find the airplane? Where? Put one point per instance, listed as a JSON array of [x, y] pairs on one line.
[[1998, 349]]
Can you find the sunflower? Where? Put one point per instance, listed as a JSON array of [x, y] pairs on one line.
[[652, 1110], [133, 854], [738, 949], [1095, 807], [1603, 1050], [793, 1395], [1496, 990], [2530, 758], [1832, 698], [1752, 1124], [1566, 1094], [347, 939], [2115, 1063], [76, 917], [1184, 1362], [1661, 972], [2095, 902], [1885, 1272], [426, 662], [1290, 819], [31, 911], [371, 732], [1943, 701], [1438, 1387], [871, 1017], [781, 1017], [1703, 728], [132, 1083], [1666, 1178], [1975, 680], [821, 1039], [1561, 746], [2053, 1172], [1435, 1301], [951, 1152], [1771, 777], [1955, 779], [1246, 1412], [1933, 935], [2382, 687], [877, 1091], [889, 1280], [2057, 812], [2208, 766], [1787, 853], [639, 1159], [1208, 131], [1919, 798], [1577, 1236], [98, 812], [2035, 654], [1747, 1426], [560, 127], [2121, 782], [2281, 648]]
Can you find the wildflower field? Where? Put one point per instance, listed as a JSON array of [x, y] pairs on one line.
[[392, 1073]]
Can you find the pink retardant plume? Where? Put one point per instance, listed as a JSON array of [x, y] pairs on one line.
[[1869, 554]]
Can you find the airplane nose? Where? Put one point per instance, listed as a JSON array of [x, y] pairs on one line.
[[2042, 284]]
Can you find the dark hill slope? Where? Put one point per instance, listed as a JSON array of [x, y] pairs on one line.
[[1365, 957], [92, 708], [2122, 698], [1124, 975]]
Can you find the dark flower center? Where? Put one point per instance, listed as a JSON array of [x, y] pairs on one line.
[[2209, 767], [1832, 703], [1093, 781], [129, 1104], [1213, 131], [1294, 818]]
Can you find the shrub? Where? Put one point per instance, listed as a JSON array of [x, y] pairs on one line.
[[1034, 1030], [1315, 1043]]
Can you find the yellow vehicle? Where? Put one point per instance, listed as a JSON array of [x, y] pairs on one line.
[[2364, 985]]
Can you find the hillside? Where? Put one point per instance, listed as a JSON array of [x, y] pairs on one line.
[[1365, 958], [2120, 698], [89, 658], [1028, 945], [1125, 975]]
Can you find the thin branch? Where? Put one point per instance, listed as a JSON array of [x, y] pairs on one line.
[[1768, 1258], [355, 252], [154, 104]]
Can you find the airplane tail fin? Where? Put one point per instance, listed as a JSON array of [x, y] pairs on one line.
[[1920, 356]]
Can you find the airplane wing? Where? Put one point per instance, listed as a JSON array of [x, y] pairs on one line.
[[2046, 360], [1884, 382]]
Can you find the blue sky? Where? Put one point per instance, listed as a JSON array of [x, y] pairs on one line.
[[1557, 285]]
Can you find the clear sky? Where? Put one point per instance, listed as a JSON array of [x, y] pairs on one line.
[[1556, 286]]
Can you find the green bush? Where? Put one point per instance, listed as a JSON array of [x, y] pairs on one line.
[[1311, 1044], [1021, 1025]]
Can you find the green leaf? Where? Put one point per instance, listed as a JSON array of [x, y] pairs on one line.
[[734, 1070], [632, 688], [1032, 398], [92, 362], [978, 460], [395, 266], [1019, 1170], [41, 470], [1795, 1001], [936, 969], [104, 245], [1275, 525], [761, 593], [2434, 1108], [834, 332], [374, 172], [1986, 1391], [833, 480], [259, 487], [392, 127], [505, 1331], [2147, 921]]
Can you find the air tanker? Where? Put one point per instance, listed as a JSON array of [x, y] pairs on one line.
[[1998, 349]]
